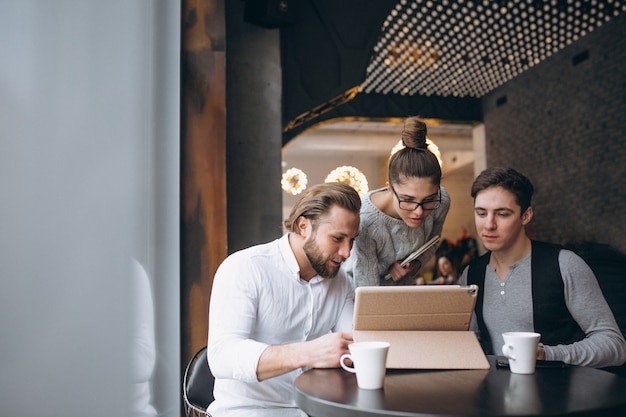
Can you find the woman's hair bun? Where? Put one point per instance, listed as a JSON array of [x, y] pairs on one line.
[[414, 133]]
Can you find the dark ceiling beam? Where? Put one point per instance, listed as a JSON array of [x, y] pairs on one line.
[[326, 48], [325, 52], [339, 54], [389, 106]]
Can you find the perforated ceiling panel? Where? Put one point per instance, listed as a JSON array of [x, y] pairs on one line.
[[457, 48]]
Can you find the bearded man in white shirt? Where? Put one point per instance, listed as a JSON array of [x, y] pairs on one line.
[[282, 307]]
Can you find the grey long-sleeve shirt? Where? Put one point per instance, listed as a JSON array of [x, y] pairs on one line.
[[508, 306], [382, 240]]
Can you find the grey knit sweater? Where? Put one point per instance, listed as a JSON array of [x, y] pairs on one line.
[[382, 240]]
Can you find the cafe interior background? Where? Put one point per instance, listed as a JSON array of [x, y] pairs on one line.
[[160, 131]]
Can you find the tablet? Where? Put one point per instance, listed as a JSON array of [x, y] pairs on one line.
[[414, 255], [414, 307], [427, 326]]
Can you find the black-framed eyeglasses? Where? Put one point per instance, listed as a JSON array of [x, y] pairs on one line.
[[427, 205]]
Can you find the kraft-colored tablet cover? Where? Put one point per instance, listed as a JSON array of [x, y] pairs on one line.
[[427, 326]]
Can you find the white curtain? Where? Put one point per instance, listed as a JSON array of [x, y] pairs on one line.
[[89, 174]]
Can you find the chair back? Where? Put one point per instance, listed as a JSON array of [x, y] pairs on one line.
[[608, 266], [198, 384]]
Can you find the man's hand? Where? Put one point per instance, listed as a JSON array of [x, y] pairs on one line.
[[323, 352], [541, 353]]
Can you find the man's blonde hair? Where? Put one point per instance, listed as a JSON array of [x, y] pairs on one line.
[[316, 202]]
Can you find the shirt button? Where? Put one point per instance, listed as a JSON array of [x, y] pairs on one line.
[[502, 292]]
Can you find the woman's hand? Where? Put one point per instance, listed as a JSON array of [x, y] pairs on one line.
[[409, 271]]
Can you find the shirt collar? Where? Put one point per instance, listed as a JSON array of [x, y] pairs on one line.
[[289, 256]]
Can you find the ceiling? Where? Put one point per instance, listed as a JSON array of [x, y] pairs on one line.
[[425, 53], [377, 138], [467, 48], [380, 137], [435, 58]]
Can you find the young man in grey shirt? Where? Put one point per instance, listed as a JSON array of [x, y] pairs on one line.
[[527, 285]]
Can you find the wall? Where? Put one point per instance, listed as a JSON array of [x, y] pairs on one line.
[[460, 218], [563, 126], [253, 130], [203, 163], [89, 179]]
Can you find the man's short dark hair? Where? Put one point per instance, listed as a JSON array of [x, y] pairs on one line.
[[509, 179]]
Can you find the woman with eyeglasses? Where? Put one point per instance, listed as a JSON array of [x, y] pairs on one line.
[[398, 219]]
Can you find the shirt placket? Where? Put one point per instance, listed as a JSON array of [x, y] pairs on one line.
[[308, 325]]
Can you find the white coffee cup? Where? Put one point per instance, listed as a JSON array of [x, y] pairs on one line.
[[521, 350], [369, 361]]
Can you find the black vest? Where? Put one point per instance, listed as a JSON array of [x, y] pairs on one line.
[[551, 318]]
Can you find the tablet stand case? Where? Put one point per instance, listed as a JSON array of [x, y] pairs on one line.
[[427, 326]]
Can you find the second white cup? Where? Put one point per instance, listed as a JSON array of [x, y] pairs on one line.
[[369, 361], [521, 350]]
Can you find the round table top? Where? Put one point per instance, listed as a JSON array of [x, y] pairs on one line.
[[573, 390]]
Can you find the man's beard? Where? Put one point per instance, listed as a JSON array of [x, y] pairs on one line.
[[317, 260]]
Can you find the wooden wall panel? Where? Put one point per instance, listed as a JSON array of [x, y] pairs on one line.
[[203, 164]]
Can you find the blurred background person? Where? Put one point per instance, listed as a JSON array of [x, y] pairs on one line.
[[446, 272]]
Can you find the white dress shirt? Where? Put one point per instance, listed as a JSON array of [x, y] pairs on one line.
[[257, 300]]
